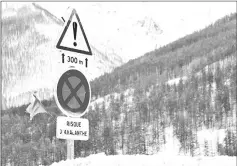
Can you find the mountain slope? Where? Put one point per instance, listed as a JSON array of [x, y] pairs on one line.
[[30, 34], [188, 54]]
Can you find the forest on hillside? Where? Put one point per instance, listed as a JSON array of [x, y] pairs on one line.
[[188, 54], [205, 100]]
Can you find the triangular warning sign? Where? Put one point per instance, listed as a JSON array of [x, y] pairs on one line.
[[73, 37]]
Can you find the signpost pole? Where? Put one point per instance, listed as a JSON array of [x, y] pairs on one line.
[[70, 149]]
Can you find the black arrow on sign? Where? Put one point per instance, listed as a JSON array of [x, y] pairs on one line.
[[86, 61]]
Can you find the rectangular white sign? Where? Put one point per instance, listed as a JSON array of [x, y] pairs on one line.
[[72, 128]]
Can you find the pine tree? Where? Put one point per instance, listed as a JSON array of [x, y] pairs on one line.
[[230, 143], [206, 148]]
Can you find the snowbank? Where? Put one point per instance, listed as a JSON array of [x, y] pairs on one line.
[[176, 80], [145, 160]]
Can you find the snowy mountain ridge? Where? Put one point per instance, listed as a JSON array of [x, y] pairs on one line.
[[29, 52]]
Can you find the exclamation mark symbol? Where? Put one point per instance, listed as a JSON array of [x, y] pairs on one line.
[[74, 25]]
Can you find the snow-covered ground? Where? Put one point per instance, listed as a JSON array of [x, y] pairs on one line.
[[128, 94], [151, 160], [176, 80]]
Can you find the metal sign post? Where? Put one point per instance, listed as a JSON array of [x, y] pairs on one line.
[[70, 149]]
